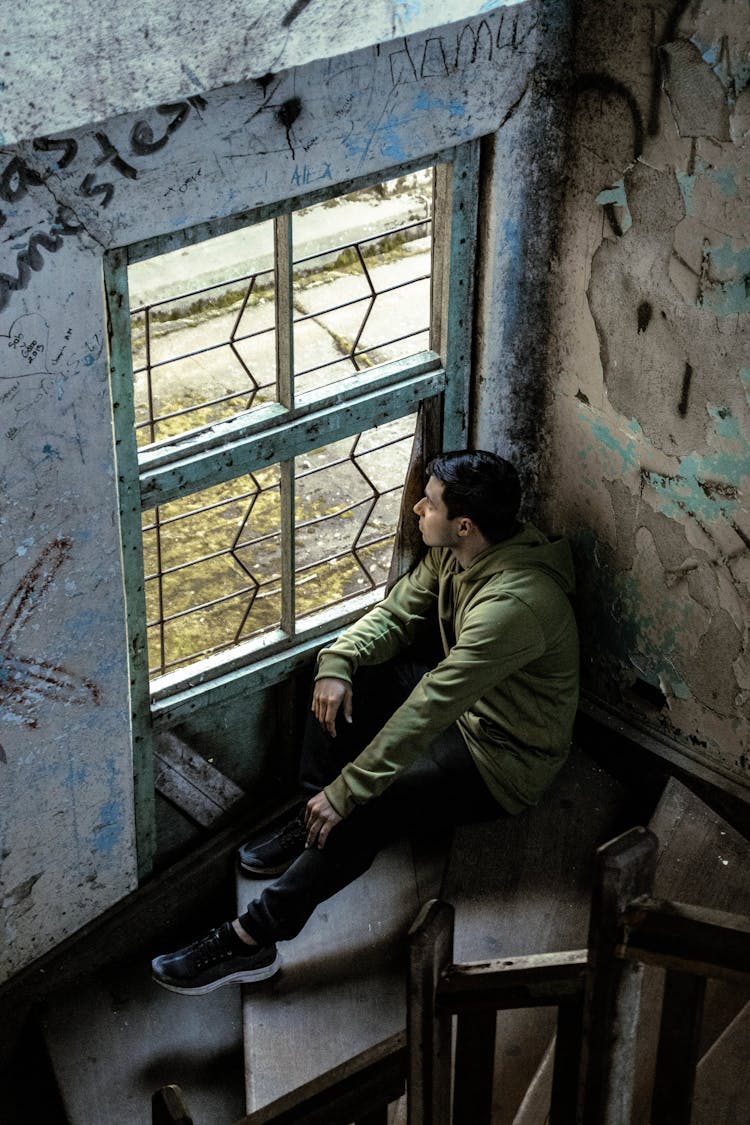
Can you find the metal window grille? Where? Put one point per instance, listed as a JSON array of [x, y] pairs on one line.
[[214, 573]]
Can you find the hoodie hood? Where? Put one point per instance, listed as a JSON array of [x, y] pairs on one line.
[[528, 550]]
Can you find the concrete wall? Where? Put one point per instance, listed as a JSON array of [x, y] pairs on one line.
[[649, 437], [66, 65], [66, 834]]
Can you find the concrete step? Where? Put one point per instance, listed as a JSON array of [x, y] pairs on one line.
[[342, 986], [518, 885], [117, 1038]]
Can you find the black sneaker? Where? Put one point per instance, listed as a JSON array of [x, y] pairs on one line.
[[273, 853], [213, 961]]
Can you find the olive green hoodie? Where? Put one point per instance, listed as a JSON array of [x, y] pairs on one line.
[[508, 677]]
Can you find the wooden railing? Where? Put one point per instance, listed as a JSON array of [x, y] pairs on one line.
[[449, 1076]]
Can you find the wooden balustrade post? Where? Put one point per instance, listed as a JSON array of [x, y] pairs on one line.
[[428, 1031], [625, 870], [168, 1107], [679, 1048]]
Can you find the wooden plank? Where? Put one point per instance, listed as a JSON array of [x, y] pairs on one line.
[[429, 1034], [116, 1037], [701, 860], [688, 938], [677, 1057], [191, 783], [519, 982], [342, 984], [522, 885], [625, 870]]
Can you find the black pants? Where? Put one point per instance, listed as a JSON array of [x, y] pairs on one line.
[[442, 789]]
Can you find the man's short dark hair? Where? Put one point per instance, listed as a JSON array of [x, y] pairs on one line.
[[483, 487]]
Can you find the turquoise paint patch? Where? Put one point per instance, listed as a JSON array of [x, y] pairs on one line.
[[108, 833], [738, 78], [687, 188], [424, 101], [626, 451], [406, 10], [628, 629], [616, 196], [731, 296], [745, 380], [384, 136], [706, 487], [726, 258], [724, 178]]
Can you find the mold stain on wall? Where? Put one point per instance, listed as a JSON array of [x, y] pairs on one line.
[[653, 416]]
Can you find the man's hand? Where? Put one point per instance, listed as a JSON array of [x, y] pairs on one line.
[[320, 818], [328, 696]]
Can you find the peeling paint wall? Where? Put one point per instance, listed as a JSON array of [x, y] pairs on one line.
[[66, 827], [649, 457]]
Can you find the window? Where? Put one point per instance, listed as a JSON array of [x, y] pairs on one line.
[[266, 374], [358, 295]]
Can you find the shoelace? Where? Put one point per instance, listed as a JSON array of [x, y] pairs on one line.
[[210, 949], [293, 831]]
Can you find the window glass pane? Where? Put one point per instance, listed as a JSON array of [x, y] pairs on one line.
[[361, 279], [213, 569], [203, 333], [347, 505]]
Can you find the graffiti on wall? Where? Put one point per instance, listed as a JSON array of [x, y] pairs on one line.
[[84, 172], [26, 681], [97, 183]]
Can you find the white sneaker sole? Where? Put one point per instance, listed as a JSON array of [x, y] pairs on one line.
[[242, 976]]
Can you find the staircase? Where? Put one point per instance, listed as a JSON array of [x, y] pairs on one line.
[[518, 886]]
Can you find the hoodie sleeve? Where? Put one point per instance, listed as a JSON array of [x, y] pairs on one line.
[[499, 636], [387, 628]]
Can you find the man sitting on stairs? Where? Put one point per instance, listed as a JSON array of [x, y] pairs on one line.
[[401, 744]]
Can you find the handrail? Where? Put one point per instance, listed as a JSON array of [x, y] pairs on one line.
[[693, 939], [536, 981]]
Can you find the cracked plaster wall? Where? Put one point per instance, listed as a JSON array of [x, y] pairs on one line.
[[649, 438], [66, 827]]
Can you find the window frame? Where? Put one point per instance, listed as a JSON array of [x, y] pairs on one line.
[[274, 434]]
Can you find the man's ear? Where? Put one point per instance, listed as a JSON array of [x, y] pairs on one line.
[[465, 526]]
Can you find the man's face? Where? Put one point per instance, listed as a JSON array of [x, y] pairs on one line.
[[436, 528]]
